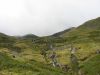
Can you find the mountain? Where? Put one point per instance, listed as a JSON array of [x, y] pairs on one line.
[[22, 55], [59, 34], [5, 38], [6, 41], [29, 36], [89, 31], [91, 24], [84, 29]]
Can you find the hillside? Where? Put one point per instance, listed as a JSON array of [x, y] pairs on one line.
[[9, 66], [5, 38], [91, 24], [23, 55], [92, 66], [89, 31], [86, 28], [29, 36], [59, 34]]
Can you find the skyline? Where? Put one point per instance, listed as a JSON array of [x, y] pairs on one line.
[[46, 17]]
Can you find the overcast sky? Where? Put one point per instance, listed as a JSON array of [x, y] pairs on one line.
[[45, 17]]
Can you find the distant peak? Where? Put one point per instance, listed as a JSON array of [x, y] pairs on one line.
[[30, 36], [62, 32]]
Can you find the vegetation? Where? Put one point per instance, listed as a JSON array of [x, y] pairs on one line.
[[30, 54], [92, 66]]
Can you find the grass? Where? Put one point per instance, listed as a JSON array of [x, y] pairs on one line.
[[9, 66], [92, 66], [31, 62]]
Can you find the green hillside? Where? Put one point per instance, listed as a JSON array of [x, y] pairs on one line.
[[92, 66], [23, 55], [6, 39], [85, 28], [9, 66], [89, 31], [29, 36], [59, 34]]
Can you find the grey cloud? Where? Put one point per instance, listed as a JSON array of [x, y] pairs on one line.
[[45, 17]]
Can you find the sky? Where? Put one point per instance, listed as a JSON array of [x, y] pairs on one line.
[[45, 17]]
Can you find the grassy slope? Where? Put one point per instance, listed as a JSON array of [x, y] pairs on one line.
[[87, 37], [92, 66], [9, 66], [87, 32]]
